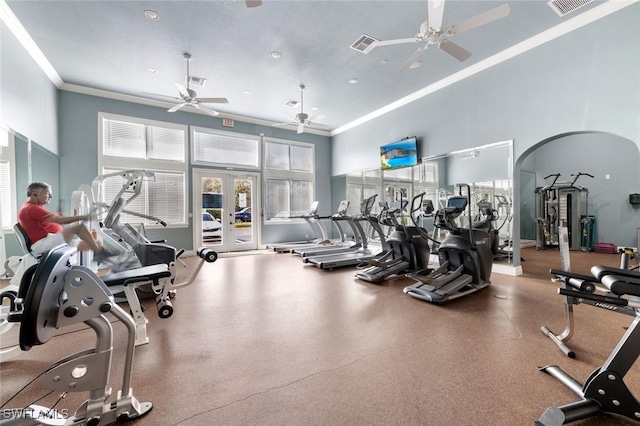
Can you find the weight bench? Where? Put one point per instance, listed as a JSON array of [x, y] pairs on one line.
[[605, 389], [60, 295]]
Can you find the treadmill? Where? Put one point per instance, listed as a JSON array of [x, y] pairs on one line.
[[312, 219], [343, 245], [356, 255]]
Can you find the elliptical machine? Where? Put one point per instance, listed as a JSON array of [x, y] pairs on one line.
[[407, 250], [485, 221], [464, 255]]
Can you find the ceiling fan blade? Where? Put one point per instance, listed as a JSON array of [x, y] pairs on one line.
[[213, 100], [391, 42], [317, 117], [454, 50], [158, 94], [300, 128], [284, 124], [481, 19], [206, 110], [318, 126], [436, 9], [183, 91], [177, 107], [414, 58], [253, 3]]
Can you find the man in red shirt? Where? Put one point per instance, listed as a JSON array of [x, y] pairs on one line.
[[45, 230]]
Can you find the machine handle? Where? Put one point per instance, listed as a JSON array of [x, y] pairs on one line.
[[207, 254]]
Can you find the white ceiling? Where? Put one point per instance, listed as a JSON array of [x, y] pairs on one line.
[[109, 45]]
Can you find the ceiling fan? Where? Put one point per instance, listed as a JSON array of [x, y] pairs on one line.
[[190, 98], [432, 32], [301, 119]]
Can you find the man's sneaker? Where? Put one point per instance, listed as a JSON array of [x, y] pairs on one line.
[[124, 262], [103, 256]]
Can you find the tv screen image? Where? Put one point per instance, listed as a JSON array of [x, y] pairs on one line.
[[399, 154]]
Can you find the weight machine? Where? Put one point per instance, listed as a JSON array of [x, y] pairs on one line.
[[563, 204]]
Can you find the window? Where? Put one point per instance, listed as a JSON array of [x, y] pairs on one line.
[[426, 180], [362, 185], [129, 143], [7, 180], [225, 149], [289, 173]]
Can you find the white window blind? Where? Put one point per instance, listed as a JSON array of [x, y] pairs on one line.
[[159, 198], [301, 158], [124, 139], [225, 148], [165, 144], [277, 156], [5, 193], [130, 143], [7, 183], [289, 171]]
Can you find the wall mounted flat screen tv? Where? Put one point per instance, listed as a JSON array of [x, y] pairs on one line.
[[399, 154]]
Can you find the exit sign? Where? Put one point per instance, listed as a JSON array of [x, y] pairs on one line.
[[227, 122]]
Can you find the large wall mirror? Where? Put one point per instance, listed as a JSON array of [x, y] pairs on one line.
[[487, 169], [21, 161]]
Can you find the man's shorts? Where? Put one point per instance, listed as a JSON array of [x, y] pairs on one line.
[[51, 241]]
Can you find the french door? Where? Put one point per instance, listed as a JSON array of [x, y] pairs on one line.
[[225, 210]]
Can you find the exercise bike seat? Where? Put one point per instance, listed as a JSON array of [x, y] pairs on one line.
[[622, 285], [132, 276]]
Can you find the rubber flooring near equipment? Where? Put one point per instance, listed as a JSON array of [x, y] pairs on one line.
[[267, 341]]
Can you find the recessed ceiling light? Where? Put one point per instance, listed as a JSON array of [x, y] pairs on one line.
[[151, 14], [246, 92], [275, 55], [353, 81], [416, 64], [314, 109], [152, 70]]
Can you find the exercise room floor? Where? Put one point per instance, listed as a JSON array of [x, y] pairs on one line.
[[265, 340]]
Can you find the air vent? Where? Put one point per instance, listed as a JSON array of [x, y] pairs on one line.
[[563, 7], [196, 81], [363, 43], [291, 103]]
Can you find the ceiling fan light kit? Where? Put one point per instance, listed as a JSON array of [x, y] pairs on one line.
[[190, 98], [302, 119]]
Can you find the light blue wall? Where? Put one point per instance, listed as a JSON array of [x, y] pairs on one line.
[[598, 154], [585, 80], [28, 99], [78, 121]]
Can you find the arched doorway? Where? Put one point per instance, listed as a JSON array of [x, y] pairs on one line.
[[614, 162]]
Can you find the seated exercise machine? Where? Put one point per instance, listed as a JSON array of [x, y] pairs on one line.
[[158, 260], [123, 238], [407, 249], [315, 222], [28, 260], [155, 279], [464, 256], [605, 389], [59, 295]]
